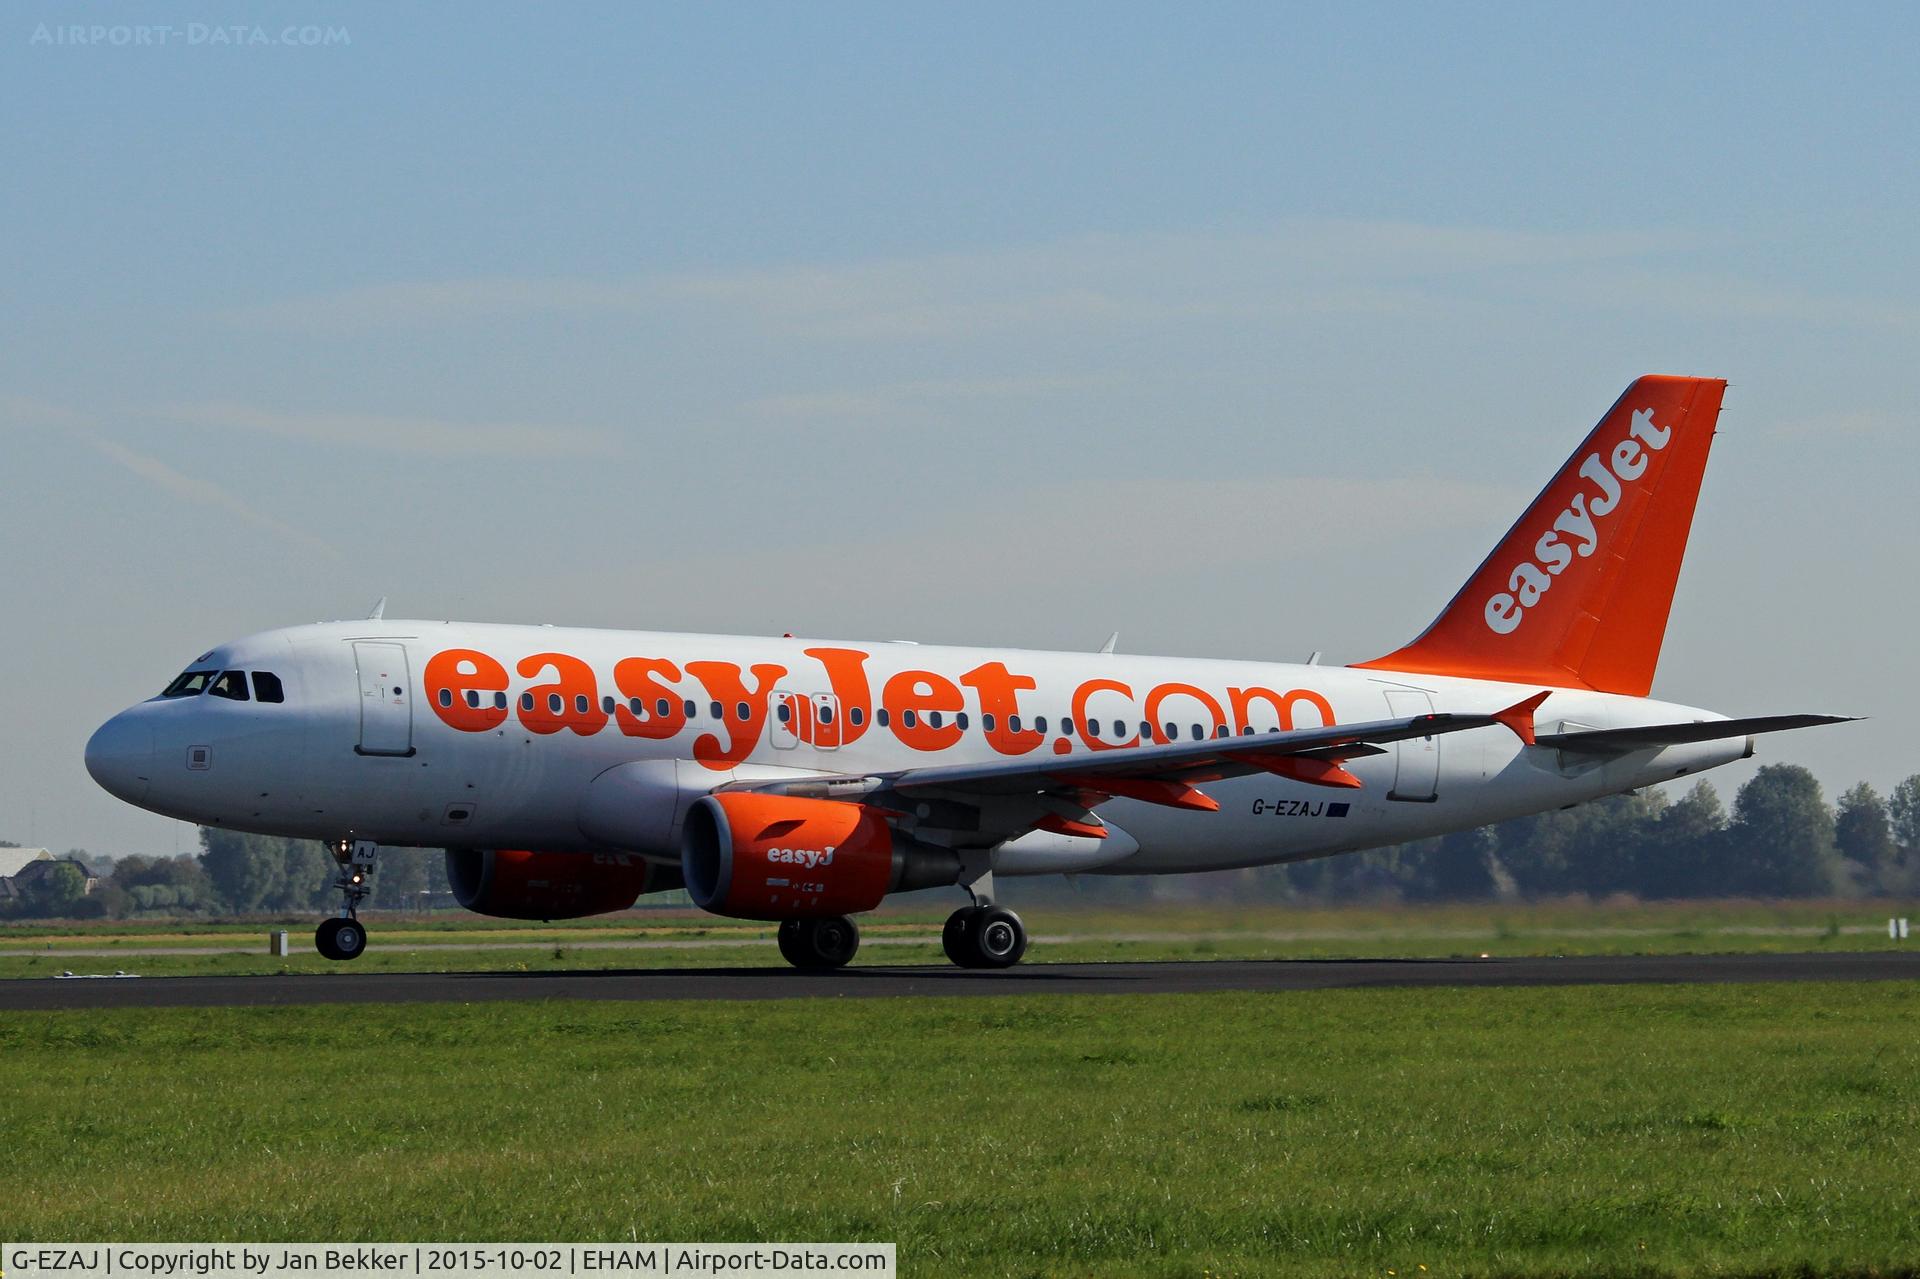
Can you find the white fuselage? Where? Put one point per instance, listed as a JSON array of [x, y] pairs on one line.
[[402, 733]]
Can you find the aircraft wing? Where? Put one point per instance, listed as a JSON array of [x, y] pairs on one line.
[[1167, 773], [1619, 741]]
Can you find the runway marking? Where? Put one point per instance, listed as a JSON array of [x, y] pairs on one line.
[[345, 987]]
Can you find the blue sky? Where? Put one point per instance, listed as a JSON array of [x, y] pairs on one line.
[[1242, 329]]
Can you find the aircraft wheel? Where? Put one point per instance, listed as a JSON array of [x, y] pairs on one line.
[[957, 938], [819, 945], [340, 939], [789, 939], [999, 938]]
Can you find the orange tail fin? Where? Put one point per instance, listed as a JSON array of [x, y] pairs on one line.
[[1577, 593]]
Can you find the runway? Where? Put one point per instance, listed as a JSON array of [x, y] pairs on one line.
[[345, 987]]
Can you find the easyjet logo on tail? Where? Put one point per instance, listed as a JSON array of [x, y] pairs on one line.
[[1577, 529]]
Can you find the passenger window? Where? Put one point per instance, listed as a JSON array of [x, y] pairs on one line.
[[1066, 728], [663, 708], [856, 716], [606, 704], [691, 710], [1039, 723], [1146, 731], [933, 719], [1093, 728], [961, 720], [526, 701], [1197, 734], [719, 711], [742, 712], [446, 697], [266, 687], [826, 714], [1173, 733], [499, 701], [986, 722], [1119, 729], [1220, 730], [473, 698], [783, 712], [554, 704], [880, 717], [1013, 723], [190, 684], [579, 703], [231, 685], [908, 719]]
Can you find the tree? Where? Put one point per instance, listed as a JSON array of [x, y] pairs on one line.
[[1678, 856], [1780, 843], [1864, 835], [163, 885], [54, 893], [1903, 817], [245, 873]]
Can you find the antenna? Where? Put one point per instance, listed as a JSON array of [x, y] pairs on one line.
[[379, 610], [1111, 641]]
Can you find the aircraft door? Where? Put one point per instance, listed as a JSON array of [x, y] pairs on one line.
[[386, 699], [1416, 761], [789, 713], [826, 721]]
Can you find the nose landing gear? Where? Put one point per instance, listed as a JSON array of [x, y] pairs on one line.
[[344, 937]]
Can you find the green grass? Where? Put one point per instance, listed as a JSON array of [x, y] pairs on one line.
[[1621, 1131], [404, 943]]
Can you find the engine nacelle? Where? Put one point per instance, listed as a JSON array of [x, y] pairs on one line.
[[777, 857], [519, 883]]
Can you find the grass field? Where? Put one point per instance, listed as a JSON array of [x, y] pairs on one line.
[[1152, 931], [1620, 1131]]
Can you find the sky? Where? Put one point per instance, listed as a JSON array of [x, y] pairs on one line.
[[1244, 330]]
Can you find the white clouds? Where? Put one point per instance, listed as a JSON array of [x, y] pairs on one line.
[[199, 491], [435, 437], [893, 401], [1033, 545], [1299, 267]]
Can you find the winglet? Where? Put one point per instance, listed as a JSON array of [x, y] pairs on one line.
[[1519, 716]]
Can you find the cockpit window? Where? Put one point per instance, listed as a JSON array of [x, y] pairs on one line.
[[266, 687], [190, 684], [230, 684]]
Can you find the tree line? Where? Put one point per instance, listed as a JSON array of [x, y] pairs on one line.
[[1782, 839], [233, 874]]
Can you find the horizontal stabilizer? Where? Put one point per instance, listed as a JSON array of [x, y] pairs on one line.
[[1618, 741]]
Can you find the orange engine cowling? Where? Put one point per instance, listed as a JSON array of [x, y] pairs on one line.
[[520, 883], [777, 857]]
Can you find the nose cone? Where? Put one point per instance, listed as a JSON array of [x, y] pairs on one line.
[[120, 757]]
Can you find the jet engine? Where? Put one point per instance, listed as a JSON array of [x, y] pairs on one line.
[[519, 883], [756, 856]]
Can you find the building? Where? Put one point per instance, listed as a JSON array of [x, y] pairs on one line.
[[20, 867]]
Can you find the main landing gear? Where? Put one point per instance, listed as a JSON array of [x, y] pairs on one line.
[[344, 937], [984, 935], [819, 945]]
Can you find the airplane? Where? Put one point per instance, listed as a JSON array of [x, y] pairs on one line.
[[568, 772]]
